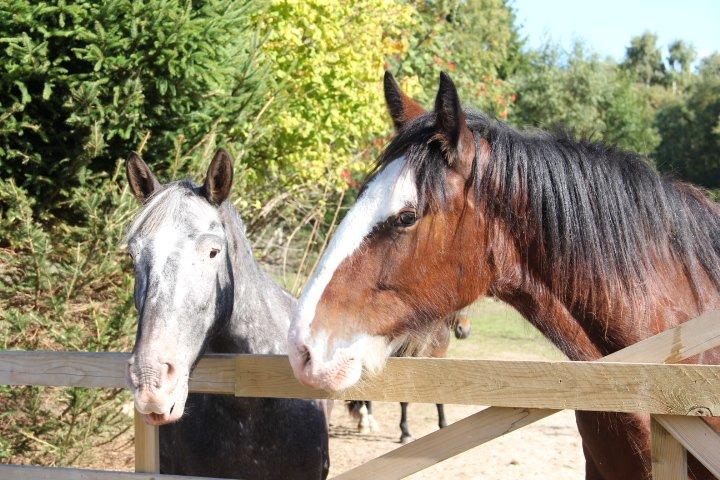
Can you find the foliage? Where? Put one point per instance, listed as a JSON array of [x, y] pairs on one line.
[[475, 41], [644, 58], [82, 82], [591, 96], [63, 288], [327, 61], [293, 89], [690, 129]]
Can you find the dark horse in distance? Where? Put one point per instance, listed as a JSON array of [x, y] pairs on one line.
[[588, 242], [198, 289]]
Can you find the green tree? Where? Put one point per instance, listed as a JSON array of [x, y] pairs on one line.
[[710, 66], [476, 41], [644, 58], [83, 82], [690, 129], [593, 97], [326, 59], [681, 56]]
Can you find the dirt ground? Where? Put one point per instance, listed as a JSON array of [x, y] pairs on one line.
[[549, 449]]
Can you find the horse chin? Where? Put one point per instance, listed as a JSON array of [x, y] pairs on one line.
[[171, 411], [172, 416]]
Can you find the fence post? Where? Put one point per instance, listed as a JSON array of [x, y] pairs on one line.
[[147, 446], [669, 457]]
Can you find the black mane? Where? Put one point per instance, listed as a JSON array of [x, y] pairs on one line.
[[597, 220]]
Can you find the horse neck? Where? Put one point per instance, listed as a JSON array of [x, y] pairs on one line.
[[261, 309], [619, 267], [589, 331]]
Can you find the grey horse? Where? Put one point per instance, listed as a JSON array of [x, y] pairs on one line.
[[198, 289]]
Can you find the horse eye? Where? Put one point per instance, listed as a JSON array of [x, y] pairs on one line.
[[213, 252], [405, 219]]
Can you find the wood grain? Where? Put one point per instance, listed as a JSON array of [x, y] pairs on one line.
[[18, 472], [598, 386], [213, 374], [147, 446], [669, 457], [697, 437]]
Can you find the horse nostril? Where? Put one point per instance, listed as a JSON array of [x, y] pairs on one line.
[[305, 355], [170, 371]]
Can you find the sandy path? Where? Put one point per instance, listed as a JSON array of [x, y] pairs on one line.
[[549, 449]]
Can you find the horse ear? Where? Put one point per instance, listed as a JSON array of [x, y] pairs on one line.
[[402, 108], [219, 177], [457, 139], [142, 181]]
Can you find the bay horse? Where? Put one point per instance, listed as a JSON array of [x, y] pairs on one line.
[[586, 241], [435, 347], [199, 289]]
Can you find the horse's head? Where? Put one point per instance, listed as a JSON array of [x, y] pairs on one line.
[[462, 326], [396, 261], [183, 282]]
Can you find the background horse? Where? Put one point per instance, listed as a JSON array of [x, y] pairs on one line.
[[198, 289], [588, 242], [436, 347]]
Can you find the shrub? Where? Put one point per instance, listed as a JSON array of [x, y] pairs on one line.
[[327, 60], [593, 97], [475, 41], [81, 83], [63, 288]]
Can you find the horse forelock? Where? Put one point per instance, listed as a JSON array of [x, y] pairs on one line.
[[176, 202]]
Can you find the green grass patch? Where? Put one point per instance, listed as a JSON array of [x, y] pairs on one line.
[[500, 332]]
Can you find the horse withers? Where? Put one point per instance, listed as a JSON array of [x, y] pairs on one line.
[[588, 242], [198, 289]]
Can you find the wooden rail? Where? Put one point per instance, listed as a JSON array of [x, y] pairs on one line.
[[521, 392], [18, 472], [601, 386]]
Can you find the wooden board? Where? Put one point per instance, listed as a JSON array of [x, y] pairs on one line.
[[669, 457], [697, 437], [17, 472], [698, 337], [598, 386], [676, 344], [147, 446], [213, 374], [448, 442], [63, 369]]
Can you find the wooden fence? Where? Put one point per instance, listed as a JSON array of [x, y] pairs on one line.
[[644, 377]]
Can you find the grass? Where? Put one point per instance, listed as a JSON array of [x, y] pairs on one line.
[[500, 332]]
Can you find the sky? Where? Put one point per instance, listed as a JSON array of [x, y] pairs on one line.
[[606, 26]]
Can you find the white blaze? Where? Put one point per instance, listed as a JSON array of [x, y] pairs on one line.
[[390, 191]]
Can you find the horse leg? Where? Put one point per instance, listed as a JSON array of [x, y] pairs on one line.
[[405, 436], [441, 415], [363, 422], [616, 445], [372, 424]]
